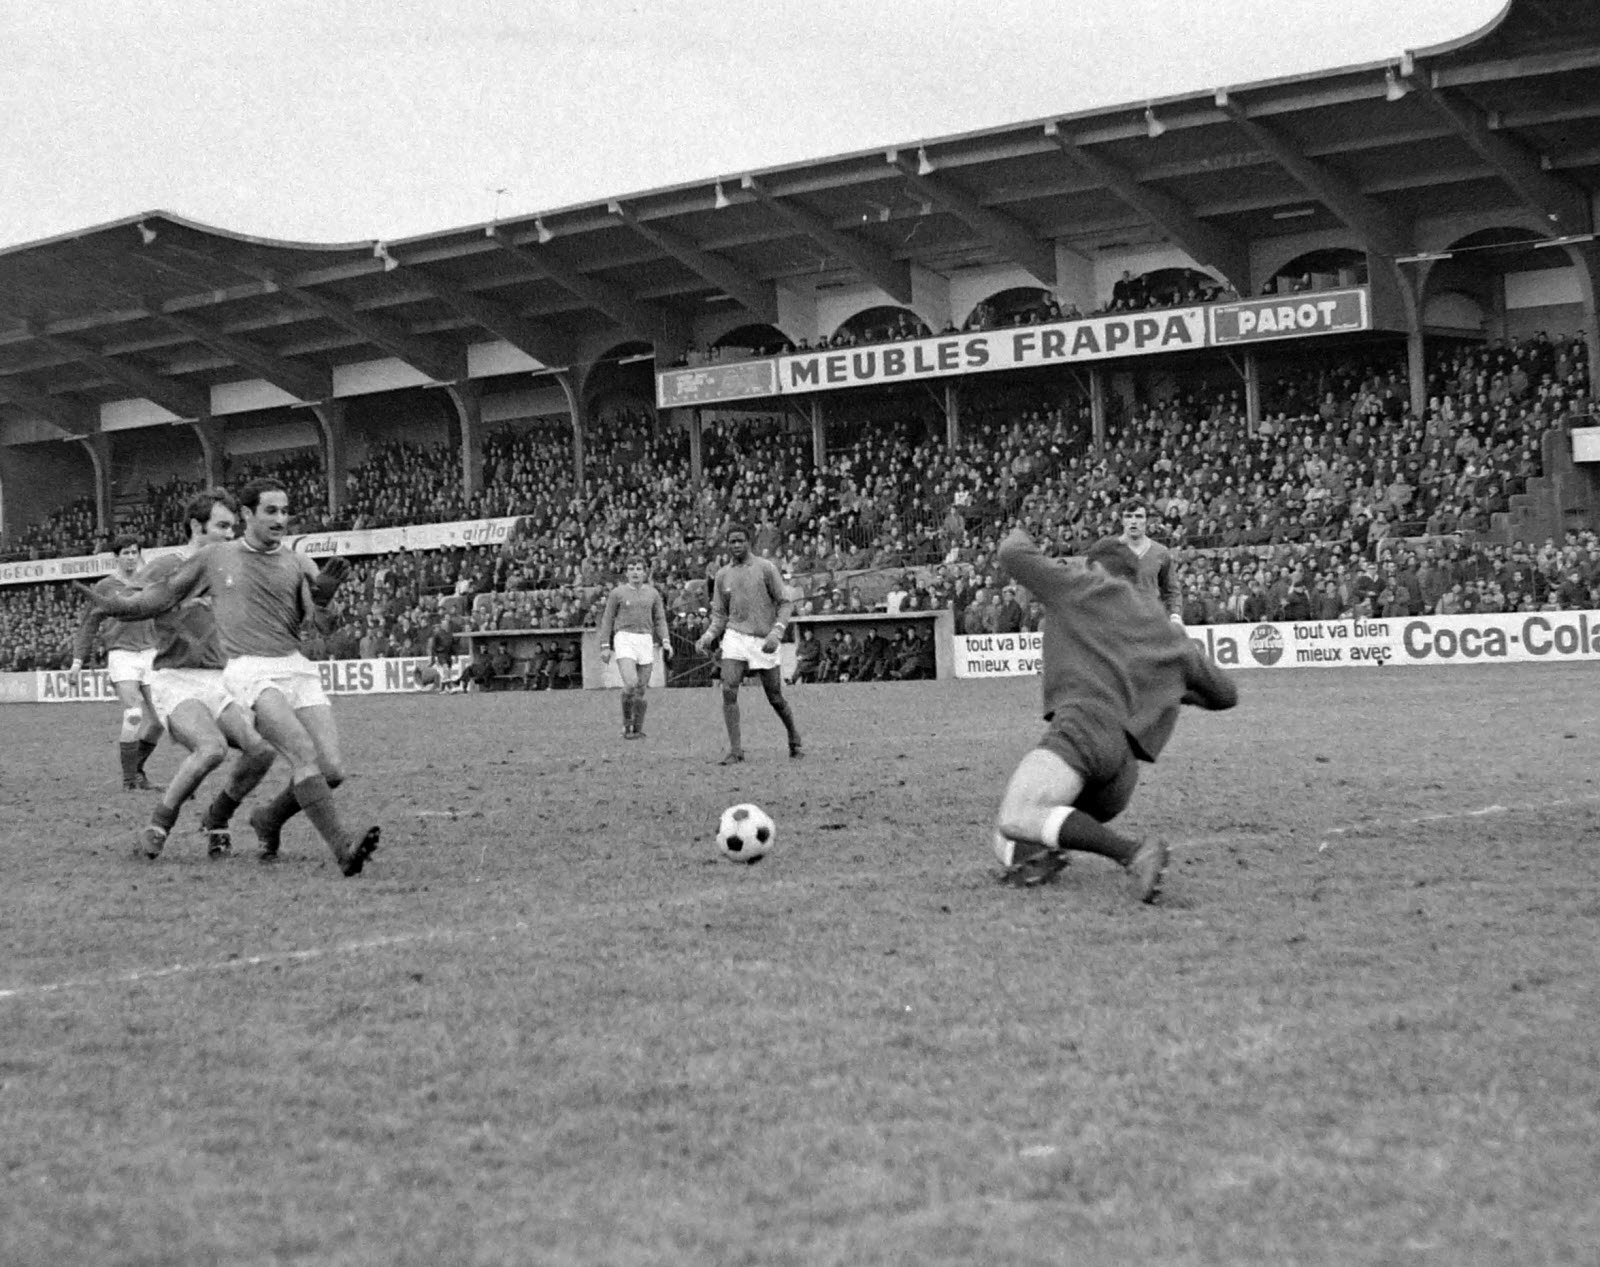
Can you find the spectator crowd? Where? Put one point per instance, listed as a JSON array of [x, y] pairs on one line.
[[1339, 497]]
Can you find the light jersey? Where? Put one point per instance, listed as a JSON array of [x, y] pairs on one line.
[[259, 598], [186, 636], [749, 597], [116, 634], [634, 609], [1156, 572], [1109, 651]]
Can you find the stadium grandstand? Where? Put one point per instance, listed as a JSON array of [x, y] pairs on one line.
[[1338, 331]]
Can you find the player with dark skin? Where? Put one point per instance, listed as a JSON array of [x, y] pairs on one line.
[[750, 609]]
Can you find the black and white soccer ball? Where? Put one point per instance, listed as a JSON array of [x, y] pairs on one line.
[[746, 833]]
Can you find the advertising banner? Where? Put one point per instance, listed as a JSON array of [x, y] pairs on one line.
[[988, 351], [87, 568], [1290, 316], [996, 655], [1511, 638], [1018, 347], [388, 676], [450, 536], [466, 532], [706, 384]]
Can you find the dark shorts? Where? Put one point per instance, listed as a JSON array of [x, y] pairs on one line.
[[1102, 756]]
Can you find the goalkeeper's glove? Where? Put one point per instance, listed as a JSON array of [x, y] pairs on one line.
[[328, 579]]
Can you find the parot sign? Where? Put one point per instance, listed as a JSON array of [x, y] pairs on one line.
[[1290, 316]]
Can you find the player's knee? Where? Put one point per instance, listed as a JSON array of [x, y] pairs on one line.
[[133, 718], [260, 754], [211, 753], [730, 695]]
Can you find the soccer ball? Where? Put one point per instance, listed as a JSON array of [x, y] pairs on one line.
[[745, 833]]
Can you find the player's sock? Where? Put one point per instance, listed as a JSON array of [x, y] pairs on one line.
[[1083, 833], [145, 748], [315, 797], [280, 809], [627, 710], [164, 816], [786, 716], [730, 718], [638, 713], [220, 812], [129, 753]]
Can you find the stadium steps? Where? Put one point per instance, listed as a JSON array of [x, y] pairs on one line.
[[1565, 496]]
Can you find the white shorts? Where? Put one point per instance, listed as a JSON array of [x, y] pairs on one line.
[[171, 687], [130, 666], [640, 648], [747, 647], [299, 681]]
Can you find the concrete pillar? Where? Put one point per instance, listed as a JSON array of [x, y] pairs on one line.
[[1252, 389], [335, 451], [819, 434], [1097, 407], [952, 413], [697, 449], [572, 389], [468, 402], [1586, 257], [1417, 371], [213, 450], [98, 446]]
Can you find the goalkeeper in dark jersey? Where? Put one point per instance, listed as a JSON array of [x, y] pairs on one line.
[[189, 697], [1116, 670], [262, 594]]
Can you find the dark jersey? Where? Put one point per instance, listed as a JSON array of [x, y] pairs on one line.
[[260, 599], [1111, 653], [116, 634], [634, 609], [186, 636], [1156, 573], [750, 597]]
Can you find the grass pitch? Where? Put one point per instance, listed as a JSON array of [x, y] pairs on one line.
[[550, 1025]]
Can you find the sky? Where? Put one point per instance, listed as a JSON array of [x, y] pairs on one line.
[[341, 121]]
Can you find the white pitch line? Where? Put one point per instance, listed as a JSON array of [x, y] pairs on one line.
[[133, 976], [1483, 811]]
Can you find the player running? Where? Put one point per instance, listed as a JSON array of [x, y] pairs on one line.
[[633, 625], [130, 650], [1115, 671], [261, 596], [750, 609], [1156, 571], [189, 697]]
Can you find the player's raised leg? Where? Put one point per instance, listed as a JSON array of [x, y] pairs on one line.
[[1048, 805], [309, 741]]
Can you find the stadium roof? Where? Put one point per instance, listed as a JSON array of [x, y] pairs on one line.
[[1506, 119]]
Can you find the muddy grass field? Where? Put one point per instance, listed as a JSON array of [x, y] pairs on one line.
[[549, 1025]]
